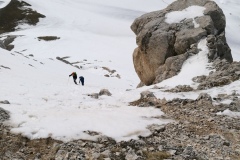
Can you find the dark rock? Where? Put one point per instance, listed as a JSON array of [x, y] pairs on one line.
[[4, 115], [5, 67], [6, 42], [141, 84], [5, 102], [224, 74], [199, 79], [180, 88], [147, 94], [2, 45], [48, 38], [15, 13], [63, 60], [171, 67], [104, 92], [94, 95], [204, 96]]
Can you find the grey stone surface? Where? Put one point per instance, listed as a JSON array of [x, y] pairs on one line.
[[4, 115], [94, 95], [104, 92], [5, 102], [147, 94], [159, 41]]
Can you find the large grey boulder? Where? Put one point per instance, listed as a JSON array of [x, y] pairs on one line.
[[158, 41]]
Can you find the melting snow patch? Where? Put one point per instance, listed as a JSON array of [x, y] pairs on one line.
[[70, 123], [229, 113], [226, 101], [188, 13]]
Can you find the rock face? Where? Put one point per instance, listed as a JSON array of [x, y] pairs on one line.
[[163, 47], [6, 42], [17, 12]]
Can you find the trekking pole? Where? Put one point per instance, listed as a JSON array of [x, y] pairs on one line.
[[68, 80]]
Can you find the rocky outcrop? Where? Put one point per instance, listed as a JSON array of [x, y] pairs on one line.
[[163, 47], [180, 88], [15, 13], [224, 74], [104, 92], [198, 132], [4, 115], [5, 102], [6, 42]]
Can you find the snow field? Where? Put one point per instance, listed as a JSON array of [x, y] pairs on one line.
[[44, 102]]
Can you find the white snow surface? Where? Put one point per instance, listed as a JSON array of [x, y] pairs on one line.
[[44, 103], [4, 3], [189, 13], [229, 113], [44, 100]]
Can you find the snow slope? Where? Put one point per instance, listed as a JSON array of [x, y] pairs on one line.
[[4, 3], [44, 100], [44, 103]]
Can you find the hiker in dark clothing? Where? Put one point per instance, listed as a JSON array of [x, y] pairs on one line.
[[81, 79], [74, 74]]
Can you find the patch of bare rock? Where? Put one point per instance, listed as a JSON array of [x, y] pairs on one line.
[[224, 74], [48, 38]]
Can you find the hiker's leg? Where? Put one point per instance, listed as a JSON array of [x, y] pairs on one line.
[[75, 80]]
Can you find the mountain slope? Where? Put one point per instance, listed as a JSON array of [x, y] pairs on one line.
[[95, 36]]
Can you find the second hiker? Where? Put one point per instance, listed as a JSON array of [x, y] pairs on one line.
[[81, 79]]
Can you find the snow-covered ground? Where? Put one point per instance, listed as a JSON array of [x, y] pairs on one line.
[[4, 3], [45, 101]]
